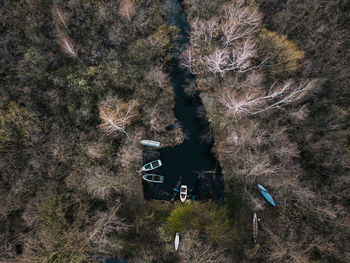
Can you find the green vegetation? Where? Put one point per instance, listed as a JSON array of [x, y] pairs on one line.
[[17, 126], [284, 56], [209, 218]]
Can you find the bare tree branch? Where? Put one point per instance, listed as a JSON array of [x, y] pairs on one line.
[[251, 103], [116, 115]]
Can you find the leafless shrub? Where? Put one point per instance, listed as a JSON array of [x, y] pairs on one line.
[[301, 114], [190, 88], [156, 119], [204, 30], [206, 137], [105, 224], [127, 9], [130, 154], [254, 202], [68, 46], [283, 147], [99, 182], [193, 249], [116, 34], [157, 77]]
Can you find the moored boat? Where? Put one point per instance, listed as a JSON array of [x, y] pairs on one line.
[[153, 178], [177, 241], [255, 228], [150, 143], [183, 193], [151, 165], [267, 196]]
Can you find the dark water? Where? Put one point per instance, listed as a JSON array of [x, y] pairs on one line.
[[193, 156]]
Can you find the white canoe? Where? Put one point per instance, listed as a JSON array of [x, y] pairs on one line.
[[151, 165], [153, 178], [150, 143], [177, 241], [255, 228], [183, 193]]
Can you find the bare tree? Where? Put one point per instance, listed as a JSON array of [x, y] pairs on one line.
[[240, 21], [217, 61], [115, 115], [186, 58], [68, 46], [229, 59], [252, 102], [105, 224], [204, 30], [60, 17]]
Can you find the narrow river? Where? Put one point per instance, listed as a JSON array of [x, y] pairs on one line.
[[193, 156]]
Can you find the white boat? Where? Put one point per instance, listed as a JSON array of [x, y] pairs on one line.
[[153, 178], [151, 165], [150, 143], [183, 193], [255, 228], [177, 241]]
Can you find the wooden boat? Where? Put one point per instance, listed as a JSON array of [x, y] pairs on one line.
[[151, 165], [177, 241], [150, 143], [267, 196], [153, 178], [176, 189], [183, 193], [255, 228]]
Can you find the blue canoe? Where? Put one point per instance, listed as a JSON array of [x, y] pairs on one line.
[[267, 196]]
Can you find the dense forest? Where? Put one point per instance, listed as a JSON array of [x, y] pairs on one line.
[[83, 81]]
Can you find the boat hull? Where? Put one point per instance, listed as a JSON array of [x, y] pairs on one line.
[[266, 195], [152, 165], [177, 241], [183, 193], [153, 178], [150, 143], [255, 228]]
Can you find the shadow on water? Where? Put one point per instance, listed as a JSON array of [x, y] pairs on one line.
[[193, 156]]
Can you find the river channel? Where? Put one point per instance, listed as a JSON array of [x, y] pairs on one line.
[[193, 156]]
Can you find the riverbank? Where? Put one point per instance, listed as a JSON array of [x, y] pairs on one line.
[[254, 88]]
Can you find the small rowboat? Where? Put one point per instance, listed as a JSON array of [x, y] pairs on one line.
[[150, 143], [153, 178], [183, 193], [151, 165], [255, 228], [177, 241], [267, 196]]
